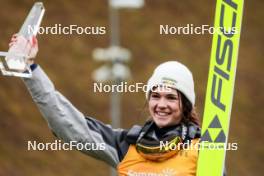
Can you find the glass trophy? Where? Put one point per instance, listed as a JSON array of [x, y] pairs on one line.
[[14, 62]]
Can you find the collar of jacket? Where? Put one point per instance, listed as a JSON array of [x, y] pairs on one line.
[[149, 131], [148, 139]]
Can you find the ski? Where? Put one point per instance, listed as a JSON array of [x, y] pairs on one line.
[[220, 87]]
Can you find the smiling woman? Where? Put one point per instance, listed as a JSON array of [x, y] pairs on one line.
[[165, 107], [138, 150], [172, 122], [172, 99]]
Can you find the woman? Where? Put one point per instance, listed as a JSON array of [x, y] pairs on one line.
[[156, 148]]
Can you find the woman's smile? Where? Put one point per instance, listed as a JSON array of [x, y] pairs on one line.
[[164, 107]]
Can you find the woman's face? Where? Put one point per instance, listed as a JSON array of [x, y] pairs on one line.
[[165, 107]]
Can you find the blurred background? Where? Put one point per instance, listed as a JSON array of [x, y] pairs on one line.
[[68, 61]]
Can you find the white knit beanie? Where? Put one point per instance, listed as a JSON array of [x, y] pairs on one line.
[[174, 75]]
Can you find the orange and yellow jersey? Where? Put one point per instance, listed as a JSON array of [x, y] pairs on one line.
[[183, 163]]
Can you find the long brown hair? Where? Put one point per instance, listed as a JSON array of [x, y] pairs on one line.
[[189, 113]]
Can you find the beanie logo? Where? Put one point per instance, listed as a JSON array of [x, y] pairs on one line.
[[168, 81]]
